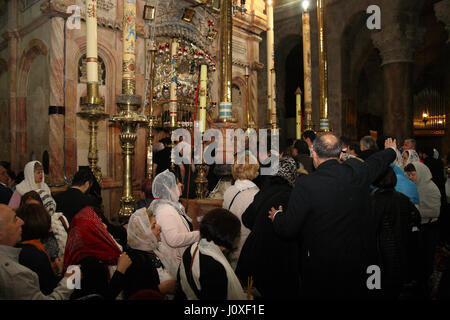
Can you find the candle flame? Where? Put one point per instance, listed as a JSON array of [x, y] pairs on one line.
[[305, 5]]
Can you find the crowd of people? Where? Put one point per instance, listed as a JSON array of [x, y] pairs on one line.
[[334, 211]]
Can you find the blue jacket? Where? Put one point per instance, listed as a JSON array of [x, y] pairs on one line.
[[406, 186]]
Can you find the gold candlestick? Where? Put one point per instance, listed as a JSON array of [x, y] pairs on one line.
[[201, 182], [129, 104], [323, 67], [93, 110]]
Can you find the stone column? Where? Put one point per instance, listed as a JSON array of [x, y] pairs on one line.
[[397, 44], [11, 37], [442, 11], [57, 103]]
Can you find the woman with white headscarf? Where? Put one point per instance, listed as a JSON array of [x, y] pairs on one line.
[[429, 194], [34, 181], [409, 156], [429, 208], [153, 267], [176, 226]]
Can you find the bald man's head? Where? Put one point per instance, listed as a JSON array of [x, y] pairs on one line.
[[10, 226], [327, 146]]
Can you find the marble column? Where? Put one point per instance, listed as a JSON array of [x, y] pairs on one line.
[[57, 103], [397, 44], [12, 80]]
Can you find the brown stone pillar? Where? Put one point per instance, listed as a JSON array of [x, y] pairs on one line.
[[397, 43], [398, 100]]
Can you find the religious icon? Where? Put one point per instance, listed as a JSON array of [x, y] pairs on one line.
[[188, 14], [149, 12]]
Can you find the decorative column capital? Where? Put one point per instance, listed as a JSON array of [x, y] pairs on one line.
[[56, 8], [397, 42], [442, 11]]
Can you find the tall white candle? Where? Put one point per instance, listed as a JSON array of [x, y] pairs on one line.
[[91, 41], [298, 113], [202, 97]]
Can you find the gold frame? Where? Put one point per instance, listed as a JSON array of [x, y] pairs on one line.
[[149, 12]]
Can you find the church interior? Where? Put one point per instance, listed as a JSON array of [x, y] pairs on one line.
[[98, 86]]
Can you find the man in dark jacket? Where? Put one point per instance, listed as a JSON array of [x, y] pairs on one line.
[[71, 201], [330, 210]]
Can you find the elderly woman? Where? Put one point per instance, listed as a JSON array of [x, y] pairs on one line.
[[176, 226], [153, 268], [205, 273], [272, 261], [34, 180], [239, 196]]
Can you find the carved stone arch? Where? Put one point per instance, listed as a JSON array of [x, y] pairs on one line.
[[35, 48]]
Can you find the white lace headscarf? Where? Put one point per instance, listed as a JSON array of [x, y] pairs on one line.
[[29, 184], [412, 157], [141, 237], [209, 248], [398, 159], [165, 191]]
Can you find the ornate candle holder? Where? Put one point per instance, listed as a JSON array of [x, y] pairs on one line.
[[128, 120], [201, 182], [93, 110]]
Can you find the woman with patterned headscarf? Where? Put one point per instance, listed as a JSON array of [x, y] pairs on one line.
[[264, 252]]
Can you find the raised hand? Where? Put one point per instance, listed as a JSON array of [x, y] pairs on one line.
[[390, 143]]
